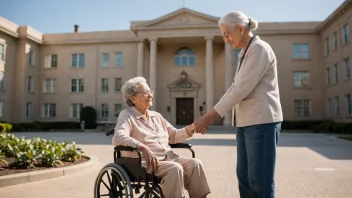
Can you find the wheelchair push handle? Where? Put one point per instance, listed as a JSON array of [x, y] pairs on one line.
[[111, 132]]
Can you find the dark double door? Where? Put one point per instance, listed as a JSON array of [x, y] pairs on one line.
[[184, 111]]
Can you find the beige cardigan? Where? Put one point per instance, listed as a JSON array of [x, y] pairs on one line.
[[255, 90]]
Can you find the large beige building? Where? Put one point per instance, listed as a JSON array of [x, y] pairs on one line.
[[183, 57]]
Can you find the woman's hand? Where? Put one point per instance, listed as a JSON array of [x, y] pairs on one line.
[[202, 123], [190, 129], [150, 158]]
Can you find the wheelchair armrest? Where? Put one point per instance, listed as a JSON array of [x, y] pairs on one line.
[[184, 145], [125, 148], [181, 145]]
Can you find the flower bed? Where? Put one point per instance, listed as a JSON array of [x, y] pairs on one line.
[[22, 155]]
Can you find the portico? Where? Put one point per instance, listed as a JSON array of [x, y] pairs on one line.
[[189, 42]]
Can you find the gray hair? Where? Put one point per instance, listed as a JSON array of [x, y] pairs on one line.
[[129, 89], [239, 18]]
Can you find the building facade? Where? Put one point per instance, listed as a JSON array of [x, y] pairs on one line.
[[50, 77]]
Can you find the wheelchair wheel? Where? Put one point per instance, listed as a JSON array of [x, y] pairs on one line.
[[153, 193], [113, 182]]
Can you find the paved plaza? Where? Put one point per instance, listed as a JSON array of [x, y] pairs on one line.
[[308, 165]]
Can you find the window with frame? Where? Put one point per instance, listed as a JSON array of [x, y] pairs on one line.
[[302, 108], [328, 108], [1, 108], [29, 106], [49, 110], [78, 60], [51, 61], [31, 58], [236, 54], [335, 40], [300, 51], [336, 73], [105, 60], [301, 79], [2, 86], [118, 84], [75, 109], [118, 109], [346, 33], [2, 52], [30, 84], [118, 59], [337, 106], [184, 56], [104, 112], [77, 85], [328, 81], [348, 104], [104, 85], [49, 85], [327, 46], [347, 68]]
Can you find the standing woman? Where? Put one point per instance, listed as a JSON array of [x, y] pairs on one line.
[[255, 97]]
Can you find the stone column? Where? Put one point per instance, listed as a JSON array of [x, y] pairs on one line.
[[140, 58], [229, 74], [152, 67], [209, 85]]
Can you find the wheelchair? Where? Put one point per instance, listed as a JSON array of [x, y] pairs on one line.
[[127, 178]]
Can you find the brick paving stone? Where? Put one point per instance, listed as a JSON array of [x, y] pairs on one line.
[[297, 176]]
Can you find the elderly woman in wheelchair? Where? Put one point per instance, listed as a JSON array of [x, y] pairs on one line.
[[140, 129]]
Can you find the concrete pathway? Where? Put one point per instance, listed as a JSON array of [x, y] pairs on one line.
[[308, 165]]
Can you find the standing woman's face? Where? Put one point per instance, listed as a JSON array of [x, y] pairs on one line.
[[232, 35]]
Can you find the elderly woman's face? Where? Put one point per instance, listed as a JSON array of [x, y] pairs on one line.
[[143, 97], [232, 35]]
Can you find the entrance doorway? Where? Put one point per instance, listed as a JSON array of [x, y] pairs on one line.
[[184, 111]]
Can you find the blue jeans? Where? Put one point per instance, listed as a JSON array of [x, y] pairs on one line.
[[256, 156]]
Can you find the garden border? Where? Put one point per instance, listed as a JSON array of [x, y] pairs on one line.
[[20, 178]]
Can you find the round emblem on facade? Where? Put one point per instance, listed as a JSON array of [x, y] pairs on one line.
[[184, 19]]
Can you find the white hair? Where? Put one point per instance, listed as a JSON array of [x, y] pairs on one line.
[[238, 18], [129, 88]]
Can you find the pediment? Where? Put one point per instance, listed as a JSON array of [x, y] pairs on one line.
[[183, 83], [182, 17]]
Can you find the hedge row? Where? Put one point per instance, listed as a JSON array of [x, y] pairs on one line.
[[43, 126], [318, 126]]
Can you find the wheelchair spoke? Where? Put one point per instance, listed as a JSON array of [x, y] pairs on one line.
[[106, 185], [109, 177]]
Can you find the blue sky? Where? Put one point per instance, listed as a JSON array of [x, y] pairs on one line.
[[57, 16]]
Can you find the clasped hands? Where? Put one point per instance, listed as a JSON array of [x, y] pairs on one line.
[[202, 123]]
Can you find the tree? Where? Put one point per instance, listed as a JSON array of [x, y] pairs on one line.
[[89, 116]]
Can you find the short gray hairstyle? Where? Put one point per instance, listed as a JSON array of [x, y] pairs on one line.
[[238, 18], [129, 89]]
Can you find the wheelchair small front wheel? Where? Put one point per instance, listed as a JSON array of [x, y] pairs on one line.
[[113, 182]]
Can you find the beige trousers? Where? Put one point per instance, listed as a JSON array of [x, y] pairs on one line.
[[179, 174]]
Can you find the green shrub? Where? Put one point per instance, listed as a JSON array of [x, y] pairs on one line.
[[5, 127], [2, 159], [17, 127], [36, 150], [72, 154], [301, 124], [30, 126], [47, 126]]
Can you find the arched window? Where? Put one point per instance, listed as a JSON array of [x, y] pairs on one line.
[[184, 57]]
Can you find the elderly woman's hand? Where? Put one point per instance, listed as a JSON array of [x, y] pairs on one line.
[[150, 158], [202, 123]]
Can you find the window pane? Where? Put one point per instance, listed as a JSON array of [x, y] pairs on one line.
[[192, 60], [184, 60], [177, 61]]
